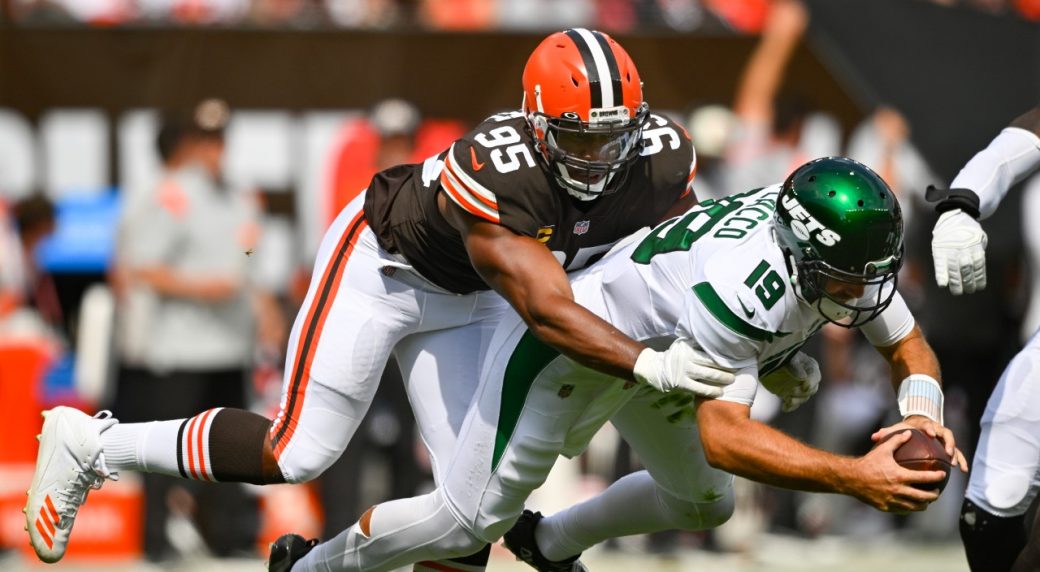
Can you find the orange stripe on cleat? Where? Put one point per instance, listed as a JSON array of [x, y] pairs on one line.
[[50, 507], [47, 522], [43, 533]]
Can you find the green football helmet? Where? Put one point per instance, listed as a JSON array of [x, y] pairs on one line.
[[841, 228]]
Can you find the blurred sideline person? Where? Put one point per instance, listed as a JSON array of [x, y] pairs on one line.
[[185, 292], [422, 265], [1005, 476], [34, 219], [29, 302], [393, 133], [766, 138], [747, 280]]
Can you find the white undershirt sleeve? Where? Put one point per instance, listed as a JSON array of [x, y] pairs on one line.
[[1012, 155], [892, 325]]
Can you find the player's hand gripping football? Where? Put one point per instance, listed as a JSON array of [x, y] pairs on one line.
[[681, 366], [932, 429], [878, 480], [959, 253], [795, 382]]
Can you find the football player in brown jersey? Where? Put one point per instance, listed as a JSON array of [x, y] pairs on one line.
[[423, 264]]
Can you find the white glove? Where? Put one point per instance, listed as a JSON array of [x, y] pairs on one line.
[[795, 382], [959, 252], [681, 366]]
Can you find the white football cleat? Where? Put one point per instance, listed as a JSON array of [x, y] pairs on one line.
[[68, 465]]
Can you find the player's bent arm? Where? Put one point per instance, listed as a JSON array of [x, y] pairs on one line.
[[1012, 155], [909, 355], [735, 443], [525, 272], [915, 377]]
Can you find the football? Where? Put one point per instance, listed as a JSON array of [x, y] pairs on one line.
[[922, 453]]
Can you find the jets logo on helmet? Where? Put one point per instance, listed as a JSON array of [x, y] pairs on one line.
[[805, 226], [842, 231], [584, 103]]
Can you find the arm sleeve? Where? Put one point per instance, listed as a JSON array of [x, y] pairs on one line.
[[891, 325], [744, 387], [991, 172]]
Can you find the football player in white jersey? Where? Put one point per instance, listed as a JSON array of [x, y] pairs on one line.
[[744, 282], [1005, 474]]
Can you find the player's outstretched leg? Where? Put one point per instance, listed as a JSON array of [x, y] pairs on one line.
[[69, 464], [287, 550], [77, 452], [520, 540]]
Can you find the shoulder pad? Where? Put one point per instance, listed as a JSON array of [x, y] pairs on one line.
[[495, 156]]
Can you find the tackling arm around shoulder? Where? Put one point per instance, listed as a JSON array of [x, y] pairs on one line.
[[532, 280], [735, 443], [958, 241]]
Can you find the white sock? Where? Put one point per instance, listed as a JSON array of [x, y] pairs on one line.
[[142, 447], [632, 505]]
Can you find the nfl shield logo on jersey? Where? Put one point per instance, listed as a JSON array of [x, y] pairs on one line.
[[581, 227]]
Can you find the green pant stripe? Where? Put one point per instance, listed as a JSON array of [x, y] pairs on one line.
[[529, 358]]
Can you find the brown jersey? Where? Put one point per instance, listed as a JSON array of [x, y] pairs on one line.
[[495, 173]]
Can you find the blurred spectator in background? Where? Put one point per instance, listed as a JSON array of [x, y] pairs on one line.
[[34, 218], [457, 15], [293, 14], [193, 12], [882, 142], [748, 16], [378, 14], [393, 133], [28, 299], [183, 268], [10, 264], [767, 139], [710, 127], [542, 14]]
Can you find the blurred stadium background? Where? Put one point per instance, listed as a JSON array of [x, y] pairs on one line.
[[323, 92]]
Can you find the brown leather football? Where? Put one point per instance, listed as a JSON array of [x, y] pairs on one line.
[[922, 453]]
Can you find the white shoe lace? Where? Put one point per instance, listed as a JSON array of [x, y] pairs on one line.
[[75, 494]]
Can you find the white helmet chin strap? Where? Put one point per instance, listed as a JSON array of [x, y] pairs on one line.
[[795, 282], [824, 305], [832, 311]]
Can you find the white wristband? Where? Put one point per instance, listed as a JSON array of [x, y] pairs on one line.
[[920, 394]]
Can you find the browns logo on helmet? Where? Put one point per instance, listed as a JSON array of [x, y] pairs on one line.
[[584, 102]]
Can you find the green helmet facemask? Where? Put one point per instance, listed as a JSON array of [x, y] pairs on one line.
[[842, 230]]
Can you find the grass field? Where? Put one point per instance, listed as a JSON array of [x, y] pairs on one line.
[[773, 553]]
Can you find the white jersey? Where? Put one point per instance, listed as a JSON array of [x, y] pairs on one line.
[[716, 275]]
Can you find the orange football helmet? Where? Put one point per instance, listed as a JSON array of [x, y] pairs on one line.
[[584, 102]]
